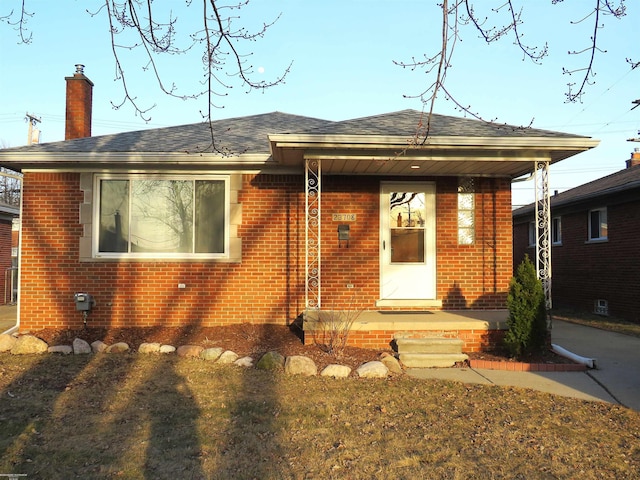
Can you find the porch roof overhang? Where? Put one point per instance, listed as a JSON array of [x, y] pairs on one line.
[[509, 157]]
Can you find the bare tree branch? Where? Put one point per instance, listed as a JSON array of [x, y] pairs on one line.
[[152, 28], [20, 22], [602, 7], [461, 13]]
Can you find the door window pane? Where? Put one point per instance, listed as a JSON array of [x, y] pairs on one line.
[[407, 219]]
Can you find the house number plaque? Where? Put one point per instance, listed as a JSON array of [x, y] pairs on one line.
[[344, 217]]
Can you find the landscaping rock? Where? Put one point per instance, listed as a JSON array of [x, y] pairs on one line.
[[63, 349], [98, 346], [211, 354], [336, 371], [375, 369], [271, 361], [81, 347], [149, 348], [28, 344], [189, 350], [244, 362], [7, 342], [119, 347], [167, 349], [391, 363], [229, 357], [300, 365]]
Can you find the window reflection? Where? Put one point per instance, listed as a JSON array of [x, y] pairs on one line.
[[407, 220]]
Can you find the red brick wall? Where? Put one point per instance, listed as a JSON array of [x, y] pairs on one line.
[[473, 340], [268, 285], [475, 276], [583, 272]]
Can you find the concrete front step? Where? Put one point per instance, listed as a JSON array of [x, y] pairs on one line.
[[431, 360], [429, 345]]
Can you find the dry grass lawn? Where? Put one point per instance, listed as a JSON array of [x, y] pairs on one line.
[[156, 417]]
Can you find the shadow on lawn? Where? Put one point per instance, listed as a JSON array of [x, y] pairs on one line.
[[100, 415], [254, 441], [138, 416]]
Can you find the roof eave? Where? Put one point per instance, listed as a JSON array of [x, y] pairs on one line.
[[100, 160], [519, 152]]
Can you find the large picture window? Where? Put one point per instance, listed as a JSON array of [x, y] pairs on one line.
[[159, 217]]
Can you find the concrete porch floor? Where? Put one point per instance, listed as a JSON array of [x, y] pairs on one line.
[[432, 320], [369, 320]]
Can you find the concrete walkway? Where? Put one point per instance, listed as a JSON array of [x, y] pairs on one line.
[[615, 380]]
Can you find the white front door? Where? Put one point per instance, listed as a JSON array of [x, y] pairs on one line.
[[407, 233]]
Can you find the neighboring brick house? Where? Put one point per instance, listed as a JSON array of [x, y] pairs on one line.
[[7, 215], [285, 215], [595, 231]]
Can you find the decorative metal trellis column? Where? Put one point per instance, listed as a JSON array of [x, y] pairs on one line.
[[312, 235], [543, 231]]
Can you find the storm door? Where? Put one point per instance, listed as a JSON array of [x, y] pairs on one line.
[[407, 247]]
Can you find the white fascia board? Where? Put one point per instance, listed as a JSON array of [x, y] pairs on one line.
[[117, 159], [377, 141]]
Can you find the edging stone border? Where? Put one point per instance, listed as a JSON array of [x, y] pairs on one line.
[[294, 365]]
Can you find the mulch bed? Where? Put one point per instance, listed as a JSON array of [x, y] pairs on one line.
[[256, 339]]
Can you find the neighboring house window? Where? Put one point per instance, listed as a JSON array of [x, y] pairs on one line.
[[162, 216], [532, 234], [598, 224], [556, 231], [466, 211]]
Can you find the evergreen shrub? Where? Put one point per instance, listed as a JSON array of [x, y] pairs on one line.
[[527, 333]]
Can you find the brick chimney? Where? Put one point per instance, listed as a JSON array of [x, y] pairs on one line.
[[79, 101], [635, 158]]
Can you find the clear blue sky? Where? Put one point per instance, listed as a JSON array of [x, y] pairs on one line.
[[342, 53]]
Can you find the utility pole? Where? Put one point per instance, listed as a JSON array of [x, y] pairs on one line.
[[636, 104], [33, 121]]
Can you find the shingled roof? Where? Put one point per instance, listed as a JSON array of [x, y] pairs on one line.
[[621, 181], [280, 142], [408, 122], [249, 134], [232, 135]]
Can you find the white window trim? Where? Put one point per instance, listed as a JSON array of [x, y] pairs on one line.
[[155, 256], [600, 238]]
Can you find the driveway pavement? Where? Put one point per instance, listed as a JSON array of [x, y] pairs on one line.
[[616, 378], [617, 358], [8, 317]]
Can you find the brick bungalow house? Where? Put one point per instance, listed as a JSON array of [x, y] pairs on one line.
[[285, 216], [594, 238]]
